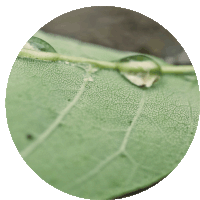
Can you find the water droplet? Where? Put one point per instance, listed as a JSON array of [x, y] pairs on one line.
[[38, 44], [148, 70], [141, 79], [143, 62], [135, 58]]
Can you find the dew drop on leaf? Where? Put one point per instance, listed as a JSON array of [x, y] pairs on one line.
[[38, 44], [151, 70], [139, 57]]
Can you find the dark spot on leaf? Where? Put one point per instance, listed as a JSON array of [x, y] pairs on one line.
[[29, 136], [60, 124], [69, 99], [122, 155], [130, 122]]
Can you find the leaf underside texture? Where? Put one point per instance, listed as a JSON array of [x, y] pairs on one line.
[[97, 136]]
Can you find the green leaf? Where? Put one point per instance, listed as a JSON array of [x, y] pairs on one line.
[[92, 133]]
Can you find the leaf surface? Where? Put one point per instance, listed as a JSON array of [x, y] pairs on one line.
[[96, 135]]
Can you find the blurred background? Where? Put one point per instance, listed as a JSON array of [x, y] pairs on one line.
[[121, 29]]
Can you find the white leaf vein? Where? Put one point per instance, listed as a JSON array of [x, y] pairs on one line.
[[120, 151], [28, 150]]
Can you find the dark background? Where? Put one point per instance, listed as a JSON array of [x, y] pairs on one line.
[[120, 29]]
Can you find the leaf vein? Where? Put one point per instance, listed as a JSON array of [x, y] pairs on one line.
[[121, 150], [28, 150]]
